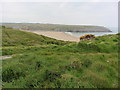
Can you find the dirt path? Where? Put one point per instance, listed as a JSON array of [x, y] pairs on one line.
[[4, 57]]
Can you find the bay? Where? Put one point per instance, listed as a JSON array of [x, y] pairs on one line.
[[78, 34]]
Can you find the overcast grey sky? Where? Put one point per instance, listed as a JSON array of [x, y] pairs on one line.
[[78, 13]]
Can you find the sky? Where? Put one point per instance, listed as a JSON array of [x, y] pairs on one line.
[[89, 12]]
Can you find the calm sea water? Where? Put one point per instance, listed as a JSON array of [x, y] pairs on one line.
[[78, 34]]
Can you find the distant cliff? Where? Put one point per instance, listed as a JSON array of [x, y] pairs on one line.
[[57, 27]]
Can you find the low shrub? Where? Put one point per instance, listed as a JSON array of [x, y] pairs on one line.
[[13, 71]]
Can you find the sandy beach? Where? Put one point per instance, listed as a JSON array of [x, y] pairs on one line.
[[57, 35]]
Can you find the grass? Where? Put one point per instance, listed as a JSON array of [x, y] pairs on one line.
[[87, 64], [12, 37]]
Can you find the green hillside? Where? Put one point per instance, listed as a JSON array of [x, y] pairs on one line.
[[13, 37], [57, 27], [87, 64]]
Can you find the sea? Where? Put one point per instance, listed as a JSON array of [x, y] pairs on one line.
[[78, 34]]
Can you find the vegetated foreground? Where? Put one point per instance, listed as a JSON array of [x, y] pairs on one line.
[[87, 64]]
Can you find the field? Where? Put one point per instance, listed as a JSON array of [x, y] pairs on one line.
[[42, 62]]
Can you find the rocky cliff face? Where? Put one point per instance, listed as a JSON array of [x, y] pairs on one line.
[[57, 27]]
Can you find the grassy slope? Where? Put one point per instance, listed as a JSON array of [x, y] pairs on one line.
[[15, 39], [89, 64], [12, 37]]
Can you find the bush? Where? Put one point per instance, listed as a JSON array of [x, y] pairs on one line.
[[38, 65], [12, 71], [51, 76], [86, 63]]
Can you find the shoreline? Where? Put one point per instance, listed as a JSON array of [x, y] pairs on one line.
[[56, 35], [64, 36]]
